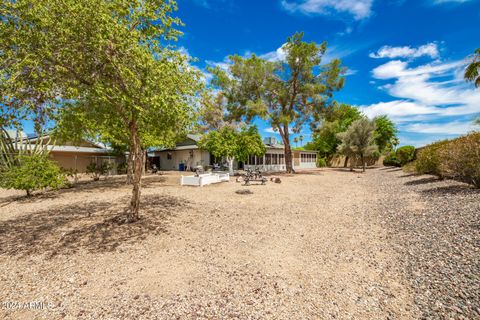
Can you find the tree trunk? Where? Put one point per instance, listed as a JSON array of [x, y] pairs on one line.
[[130, 166], [345, 164], [230, 165], [138, 165], [288, 150], [288, 158], [363, 162], [352, 161]]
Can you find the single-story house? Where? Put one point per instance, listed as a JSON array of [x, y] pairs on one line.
[[73, 156], [186, 155]]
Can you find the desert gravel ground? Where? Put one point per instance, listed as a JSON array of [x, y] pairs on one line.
[[322, 244]]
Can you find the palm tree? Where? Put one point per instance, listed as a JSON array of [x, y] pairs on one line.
[[301, 140], [295, 140], [472, 71]]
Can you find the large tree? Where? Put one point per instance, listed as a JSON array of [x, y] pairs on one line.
[[289, 93], [385, 133], [223, 135], [359, 140], [107, 65], [472, 72], [337, 118]]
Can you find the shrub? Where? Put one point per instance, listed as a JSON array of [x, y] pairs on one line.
[[428, 160], [405, 154], [32, 173], [321, 162], [96, 171], [460, 159], [391, 160]]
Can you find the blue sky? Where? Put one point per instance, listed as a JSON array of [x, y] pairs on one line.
[[405, 57]]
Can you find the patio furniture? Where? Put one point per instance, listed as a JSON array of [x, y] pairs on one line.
[[201, 180]]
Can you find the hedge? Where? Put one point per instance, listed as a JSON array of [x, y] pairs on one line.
[[456, 159]]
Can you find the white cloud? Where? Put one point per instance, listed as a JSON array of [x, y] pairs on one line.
[[359, 9], [449, 128], [430, 49], [431, 100], [277, 55], [269, 130]]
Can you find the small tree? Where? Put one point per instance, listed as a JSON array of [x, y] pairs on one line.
[[359, 140], [295, 140], [33, 172], [301, 140], [232, 144], [337, 118]]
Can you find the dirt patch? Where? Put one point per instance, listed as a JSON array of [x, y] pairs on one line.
[[311, 247]]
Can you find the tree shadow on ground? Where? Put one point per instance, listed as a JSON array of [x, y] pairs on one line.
[[394, 169], [93, 226], [422, 181], [408, 175], [111, 183], [459, 189]]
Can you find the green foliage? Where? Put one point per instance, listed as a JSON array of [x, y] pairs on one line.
[[391, 160], [231, 144], [385, 133], [428, 158], [288, 93], [457, 159], [98, 170], [460, 159], [358, 140], [105, 69], [405, 154], [337, 119], [321, 162], [472, 72], [33, 172]]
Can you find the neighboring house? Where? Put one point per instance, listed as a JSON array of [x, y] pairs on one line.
[[187, 155], [73, 156], [274, 158]]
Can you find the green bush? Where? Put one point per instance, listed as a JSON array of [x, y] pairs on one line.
[[460, 159], [391, 160], [405, 154], [32, 173], [321, 162], [96, 171], [428, 160]]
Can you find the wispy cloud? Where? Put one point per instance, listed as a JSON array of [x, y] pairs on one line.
[[430, 49], [449, 1], [359, 9], [450, 128], [431, 99]]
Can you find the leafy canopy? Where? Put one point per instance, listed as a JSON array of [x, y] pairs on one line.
[[472, 72], [288, 93], [337, 119], [359, 139], [101, 66], [229, 143], [385, 133]]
